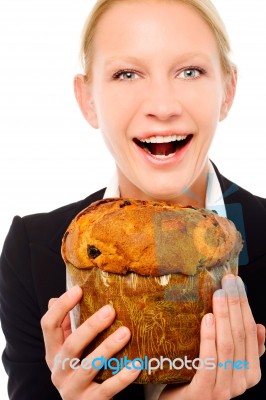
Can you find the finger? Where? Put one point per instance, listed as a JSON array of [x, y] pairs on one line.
[[58, 308], [205, 377], [252, 369], [66, 327], [238, 333], [51, 322], [85, 333], [224, 341], [99, 357], [114, 385], [261, 339], [51, 302], [66, 324]]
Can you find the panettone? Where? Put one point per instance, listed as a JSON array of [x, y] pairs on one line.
[[158, 265]]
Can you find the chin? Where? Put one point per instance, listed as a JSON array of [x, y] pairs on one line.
[[162, 193]]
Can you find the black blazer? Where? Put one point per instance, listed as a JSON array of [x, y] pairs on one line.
[[32, 271]]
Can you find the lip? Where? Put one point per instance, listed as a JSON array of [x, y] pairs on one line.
[[176, 158]]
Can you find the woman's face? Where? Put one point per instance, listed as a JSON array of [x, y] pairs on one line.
[[158, 93]]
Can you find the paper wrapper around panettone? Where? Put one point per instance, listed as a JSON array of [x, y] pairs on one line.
[[163, 313]]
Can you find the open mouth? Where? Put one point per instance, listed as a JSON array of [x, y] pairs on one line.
[[163, 146]]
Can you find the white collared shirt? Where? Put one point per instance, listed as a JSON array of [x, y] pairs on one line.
[[214, 201]]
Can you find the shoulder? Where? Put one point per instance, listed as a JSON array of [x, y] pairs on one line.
[[31, 257], [46, 225], [248, 212], [253, 206], [44, 229], [233, 193], [66, 210]]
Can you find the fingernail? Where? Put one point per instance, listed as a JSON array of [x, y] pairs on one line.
[[105, 311], [220, 295], [135, 367], [241, 287], [73, 291], [121, 333], [209, 320], [229, 276], [229, 284]]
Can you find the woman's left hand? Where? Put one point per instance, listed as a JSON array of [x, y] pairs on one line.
[[230, 333]]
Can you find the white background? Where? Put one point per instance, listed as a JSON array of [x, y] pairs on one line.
[[49, 156]]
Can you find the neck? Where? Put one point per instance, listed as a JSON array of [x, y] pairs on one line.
[[194, 195]]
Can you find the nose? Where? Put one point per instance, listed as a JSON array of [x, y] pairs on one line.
[[162, 101]]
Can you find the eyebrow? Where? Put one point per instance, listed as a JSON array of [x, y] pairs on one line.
[[132, 59], [118, 58]]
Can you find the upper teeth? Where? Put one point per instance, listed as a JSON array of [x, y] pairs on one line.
[[163, 139]]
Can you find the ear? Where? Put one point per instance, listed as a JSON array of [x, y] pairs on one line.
[[229, 93], [83, 93]]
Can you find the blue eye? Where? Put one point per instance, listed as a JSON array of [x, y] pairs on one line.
[[191, 73], [124, 75], [128, 75]]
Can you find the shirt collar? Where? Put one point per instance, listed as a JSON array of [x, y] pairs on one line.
[[214, 197]]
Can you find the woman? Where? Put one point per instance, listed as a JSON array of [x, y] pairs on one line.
[[157, 81]]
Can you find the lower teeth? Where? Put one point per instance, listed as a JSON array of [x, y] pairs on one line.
[[159, 156], [162, 156]]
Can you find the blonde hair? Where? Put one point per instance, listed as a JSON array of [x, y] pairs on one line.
[[204, 7]]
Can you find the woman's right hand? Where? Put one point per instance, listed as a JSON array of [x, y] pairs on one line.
[[61, 344]]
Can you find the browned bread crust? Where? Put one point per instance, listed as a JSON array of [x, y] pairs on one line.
[[149, 238], [125, 252]]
